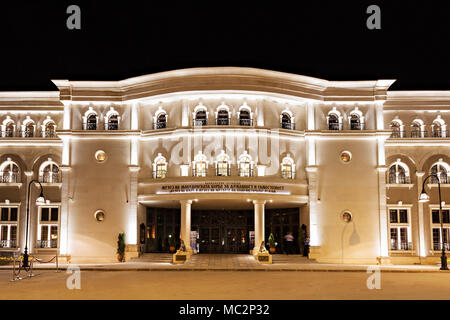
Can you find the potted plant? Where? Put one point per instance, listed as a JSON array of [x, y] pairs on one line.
[[121, 247], [272, 243], [171, 242]]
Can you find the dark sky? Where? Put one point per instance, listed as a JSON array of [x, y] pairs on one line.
[[130, 38]]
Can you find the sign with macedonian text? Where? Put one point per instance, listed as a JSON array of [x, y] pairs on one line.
[[211, 187]]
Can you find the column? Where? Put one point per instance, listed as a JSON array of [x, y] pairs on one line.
[[64, 214], [31, 222], [259, 223], [186, 223], [421, 226], [384, 247]]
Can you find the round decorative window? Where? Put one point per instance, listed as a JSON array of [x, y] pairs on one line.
[[346, 216], [346, 156], [99, 215], [100, 156]]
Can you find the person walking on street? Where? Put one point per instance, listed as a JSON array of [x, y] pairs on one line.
[[289, 242]]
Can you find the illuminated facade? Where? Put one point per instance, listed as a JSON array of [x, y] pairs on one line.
[[221, 158]]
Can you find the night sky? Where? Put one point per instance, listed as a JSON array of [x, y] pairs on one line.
[[328, 40]]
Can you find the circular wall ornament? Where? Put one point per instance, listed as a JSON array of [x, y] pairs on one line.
[[346, 216], [99, 215], [101, 156], [346, 156]]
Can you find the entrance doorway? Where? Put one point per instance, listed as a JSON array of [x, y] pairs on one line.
[[222, 231]]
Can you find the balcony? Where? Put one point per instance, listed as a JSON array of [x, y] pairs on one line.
[[160, 174], [9, 177], [48, 134], [50, 177], [159, 125], [438, 246], [47, 244], [246, 122], [200, 123], [223, 122], [245, 172], [288, 175], [333, 126], [419, 134], [199, 173], [403, 246], [223, 172], [8, 244], [287, 125]]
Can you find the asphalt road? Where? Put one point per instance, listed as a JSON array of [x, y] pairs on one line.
[[208, 285]]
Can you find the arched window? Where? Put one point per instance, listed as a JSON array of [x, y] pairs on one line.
[[48, 129], [398, 173], [287, 168], [49, 172], [439, 128], [28, 128], [200, 166], [396, 129], [245, 165], [112, 120], [223, 165], [417, 130], [8, 128], [160, 167], [245, 115], [287, 120], [9, 171], [90, 119], [200, 115], [161, 121], [356, 120], [440, 169], [223, 115], [334, 120]]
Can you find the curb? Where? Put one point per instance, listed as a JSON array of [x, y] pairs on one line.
[[235, 270]]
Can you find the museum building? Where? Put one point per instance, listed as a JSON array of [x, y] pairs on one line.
[[221, 158]]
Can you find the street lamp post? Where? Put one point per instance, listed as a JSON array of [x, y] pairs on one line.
[[39, 200], [424, 197]]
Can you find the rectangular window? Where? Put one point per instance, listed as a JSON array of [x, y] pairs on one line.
[[54, 214], [435, 216], [45, 214], [5, 214], [13, 214], [436, 238], [403, 216], [4, 233], [393, 215], [400, 230]]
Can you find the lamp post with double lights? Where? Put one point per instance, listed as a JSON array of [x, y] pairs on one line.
[[424, 197], [39, 201]]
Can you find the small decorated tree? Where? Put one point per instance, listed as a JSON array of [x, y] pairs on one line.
[[121, 247], [271, 243]]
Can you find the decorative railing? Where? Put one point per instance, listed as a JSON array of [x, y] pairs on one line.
[[223, 122], [159, 125], [47, 244], [50, 177], [223, 172], [287, 125], [419, 134], [160, 174], [288, 175], [9, 177], [200, 123], [246, 122], [8, 244], [401, 246], [48, 134], [245, 172], [438, 246], [333, 126], [91, 126], [199, 173]]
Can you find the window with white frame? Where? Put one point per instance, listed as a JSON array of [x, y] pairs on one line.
[[397, 129], [28, 127], [200, 165], [9, 171], [418, 129], [286, 120], [48, 227], [49, 130], [400, 229], [8, 128], [439, 237], [333, 122], [439, 171], [90, 119], [223, 115], [8, 226], [245, 165], [399, 173], [160, 119], [200, 115], [160, 167], [112, 120], [223, 165], [439, 128], [245, 115], [49, 172], [287, 168]]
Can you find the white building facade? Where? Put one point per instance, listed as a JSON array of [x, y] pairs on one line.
[[221, 158]]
